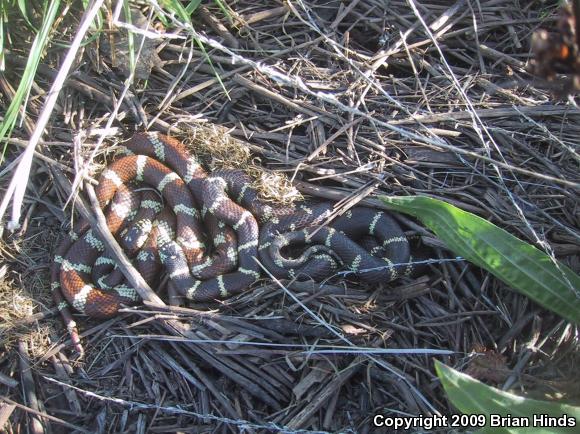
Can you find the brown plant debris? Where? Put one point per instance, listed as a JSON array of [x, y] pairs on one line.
[[341, 100]]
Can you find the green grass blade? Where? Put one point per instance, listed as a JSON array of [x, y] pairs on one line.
[[23, 12], [40, 42], [224, 10], [471, 396], [130, 38], [208, 59], [185, 14], [192, 6], [519, 264], [177, 8], [2, 61]]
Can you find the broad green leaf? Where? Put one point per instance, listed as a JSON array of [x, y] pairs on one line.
[[471, 396], [519, 264]]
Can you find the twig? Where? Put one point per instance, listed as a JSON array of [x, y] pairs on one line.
[[217, 26], [39, 414], [29, 389], [263, 15], [322, 397], [133, 276], [8, 381]]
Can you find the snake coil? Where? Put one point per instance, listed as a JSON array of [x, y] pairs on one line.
[[204, 231]]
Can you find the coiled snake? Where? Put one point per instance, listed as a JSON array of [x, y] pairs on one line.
[[205, 233]]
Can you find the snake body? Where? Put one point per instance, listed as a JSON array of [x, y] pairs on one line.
[[204, 231]]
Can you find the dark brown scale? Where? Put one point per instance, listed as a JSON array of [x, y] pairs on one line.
[[136, 233], [300, 219], [189, 228], [147, 261], [76, 283], [175, 156], [124, 199], [246, 229], [132, 239], [239, 188], [73, 281], [353, 257], [221, 263], [61, 303]]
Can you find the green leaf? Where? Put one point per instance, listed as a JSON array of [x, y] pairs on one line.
[[471, 396], [177, 8], [2, 62], [208, 59], [224, 10], [192, 6], [130, 37], [22, 7], [40, 43], [519, 264]]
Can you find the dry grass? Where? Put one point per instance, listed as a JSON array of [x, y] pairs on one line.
[[338, 96]]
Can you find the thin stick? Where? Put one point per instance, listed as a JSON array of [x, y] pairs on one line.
[[44, 415], [29, 389], [133, 276]]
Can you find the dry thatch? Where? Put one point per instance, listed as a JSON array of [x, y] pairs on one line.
[[355, 99]]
